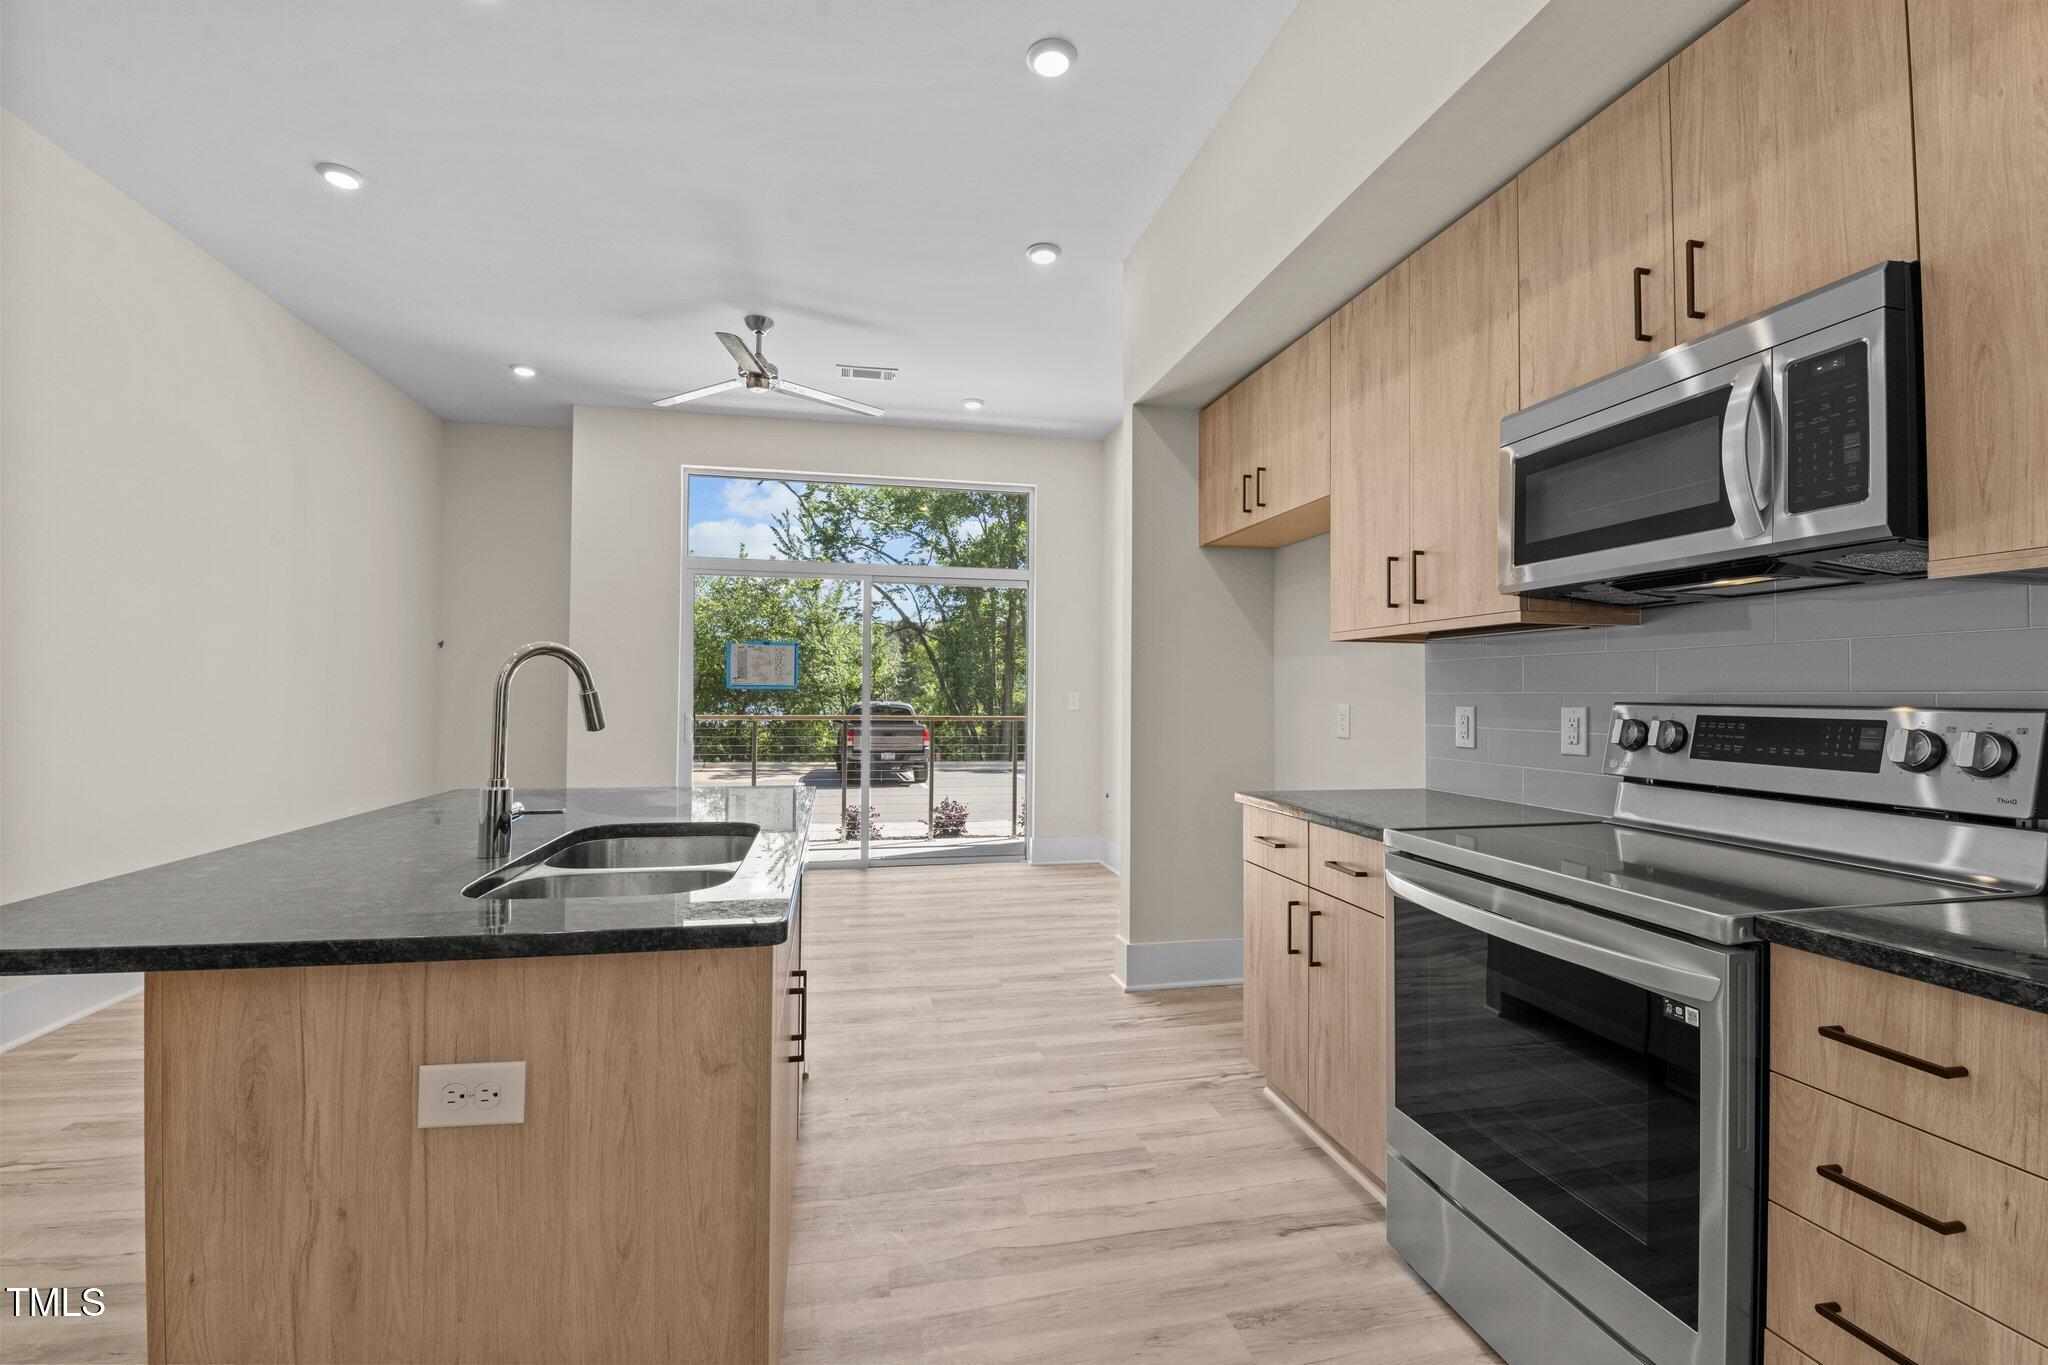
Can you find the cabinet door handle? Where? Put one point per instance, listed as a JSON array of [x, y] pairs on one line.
[[1835, 1033], [1269, 841], [1641, 271], [1947, 1227], [1348, 869], [1313, 916], [1415, 578], [1392, 601], [1692, 292], [1245, 494], [802, 991], [1259, 486], [1833, 1313], [1293, 951]]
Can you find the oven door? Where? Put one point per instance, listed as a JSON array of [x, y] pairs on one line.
[[1585, 1089], [1675, 478]]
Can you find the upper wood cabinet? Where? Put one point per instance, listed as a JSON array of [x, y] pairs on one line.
[[1791, 154], [1369, 459], [1266, 479], [1980, 109], [1596, 285]]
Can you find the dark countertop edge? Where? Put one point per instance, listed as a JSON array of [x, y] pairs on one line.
[[1315, 817], [1913, 964], [465, 947], [1377, 832]]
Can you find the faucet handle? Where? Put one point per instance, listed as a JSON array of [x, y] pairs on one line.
[[520, 808]]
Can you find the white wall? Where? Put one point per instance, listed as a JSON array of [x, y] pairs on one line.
[[1115, 610], [219, 548], [1313, 674], [626, 573], [504, 582]]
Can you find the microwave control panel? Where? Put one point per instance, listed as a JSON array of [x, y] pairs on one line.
[[1827, 402]]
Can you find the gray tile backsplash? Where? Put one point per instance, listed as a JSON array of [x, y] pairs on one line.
[[1963, 643]]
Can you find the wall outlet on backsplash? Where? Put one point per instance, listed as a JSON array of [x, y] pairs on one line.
[[1571, 730], [1468, 728]]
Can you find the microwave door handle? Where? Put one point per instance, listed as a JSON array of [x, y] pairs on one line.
[[1744, 414], [1662, 977]]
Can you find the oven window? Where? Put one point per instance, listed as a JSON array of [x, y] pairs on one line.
[[1576, 1092], [1640, 481]]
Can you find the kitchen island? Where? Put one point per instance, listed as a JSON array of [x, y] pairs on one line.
[[296, 1209]]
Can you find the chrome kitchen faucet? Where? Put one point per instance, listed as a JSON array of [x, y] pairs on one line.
[[498, 809]]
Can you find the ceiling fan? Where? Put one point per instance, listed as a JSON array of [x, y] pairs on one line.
[[759, 375]]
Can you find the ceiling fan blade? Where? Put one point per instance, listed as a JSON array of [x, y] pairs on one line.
[[704, 392], [796, 390], [749, 362]]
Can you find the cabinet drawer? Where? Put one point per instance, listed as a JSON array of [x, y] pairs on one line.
[[1821, 1292], [1348, 866], [1995, 1108], [1778, 1351], [1276, 842], [1993, 1263]]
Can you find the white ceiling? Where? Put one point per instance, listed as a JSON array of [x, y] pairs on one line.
[[594, 186]]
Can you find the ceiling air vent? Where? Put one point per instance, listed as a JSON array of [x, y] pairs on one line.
[[881, 372]]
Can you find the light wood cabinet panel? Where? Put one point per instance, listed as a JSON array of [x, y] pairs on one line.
[[1980, 109], [1590, 213], [1995, 1109], [1791, 153], [1810, 1267], [1993, 1263], [1269, 481], [1462, 381], [1276, 980], [1221, 496], [1778, 1351], [1348, 866], [1347, 1028], [1369, 459], [1276, 842]]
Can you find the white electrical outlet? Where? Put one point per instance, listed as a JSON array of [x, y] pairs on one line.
[[1073, 701], [1468, 728], [464, 1094], [1571, 730], [1343, 720]]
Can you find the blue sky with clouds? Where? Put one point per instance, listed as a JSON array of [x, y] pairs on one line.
[[726, 514]]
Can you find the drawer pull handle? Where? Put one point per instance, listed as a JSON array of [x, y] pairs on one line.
[[1269, 841], [1835, 1033], [1348, 869], [1833, 1313], [1293, 951], [1947, 1227]]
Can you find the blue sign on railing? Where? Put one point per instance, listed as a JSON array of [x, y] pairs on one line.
[[761, 665]]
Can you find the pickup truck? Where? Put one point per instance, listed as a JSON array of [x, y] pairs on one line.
[[899, 742]]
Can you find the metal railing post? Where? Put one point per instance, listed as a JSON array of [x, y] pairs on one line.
[[931, 785], [754, 753], [1010, 733]]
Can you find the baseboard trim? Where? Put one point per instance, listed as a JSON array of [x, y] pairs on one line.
[[1059, 850], [1179, 964], [50, 1002], [1330, 1149]]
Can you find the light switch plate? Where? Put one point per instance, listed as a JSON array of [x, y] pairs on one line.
[[1343, 720], [1468, 728], [1571, 730], [471, 1094], [1073, 701]]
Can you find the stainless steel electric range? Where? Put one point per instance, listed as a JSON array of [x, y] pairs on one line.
[[1575, 1135]]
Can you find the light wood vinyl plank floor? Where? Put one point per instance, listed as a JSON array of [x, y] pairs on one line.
[[1004, 1157]]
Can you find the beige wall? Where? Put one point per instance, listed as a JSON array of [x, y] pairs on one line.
[[1312, 674], [626, 573], [504, 532], [1115, 610], [219, 548]]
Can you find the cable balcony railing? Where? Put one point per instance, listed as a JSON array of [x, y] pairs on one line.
[[973, 757]]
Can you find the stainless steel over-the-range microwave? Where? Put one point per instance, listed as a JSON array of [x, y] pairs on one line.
[[1783, 451]]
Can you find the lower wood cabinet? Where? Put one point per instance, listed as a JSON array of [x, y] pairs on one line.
[[1315, 974]]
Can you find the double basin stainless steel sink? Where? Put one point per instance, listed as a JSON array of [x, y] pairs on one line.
[[639, 860]]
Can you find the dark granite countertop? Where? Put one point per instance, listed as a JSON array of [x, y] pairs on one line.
[[1372, 811], [1995, 948], [386, 886]]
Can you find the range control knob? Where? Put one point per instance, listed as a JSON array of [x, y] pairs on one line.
[[1917, 751], [1671, 736], [1985, 753], [1632, 734]]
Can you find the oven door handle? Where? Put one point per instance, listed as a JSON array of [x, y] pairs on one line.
[[1661, 977], [1747, 494]]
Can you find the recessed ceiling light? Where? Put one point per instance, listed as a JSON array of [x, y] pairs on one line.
[[1042, 253], [972, 404], [524, 371], [340, 176], [1050, 56]]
